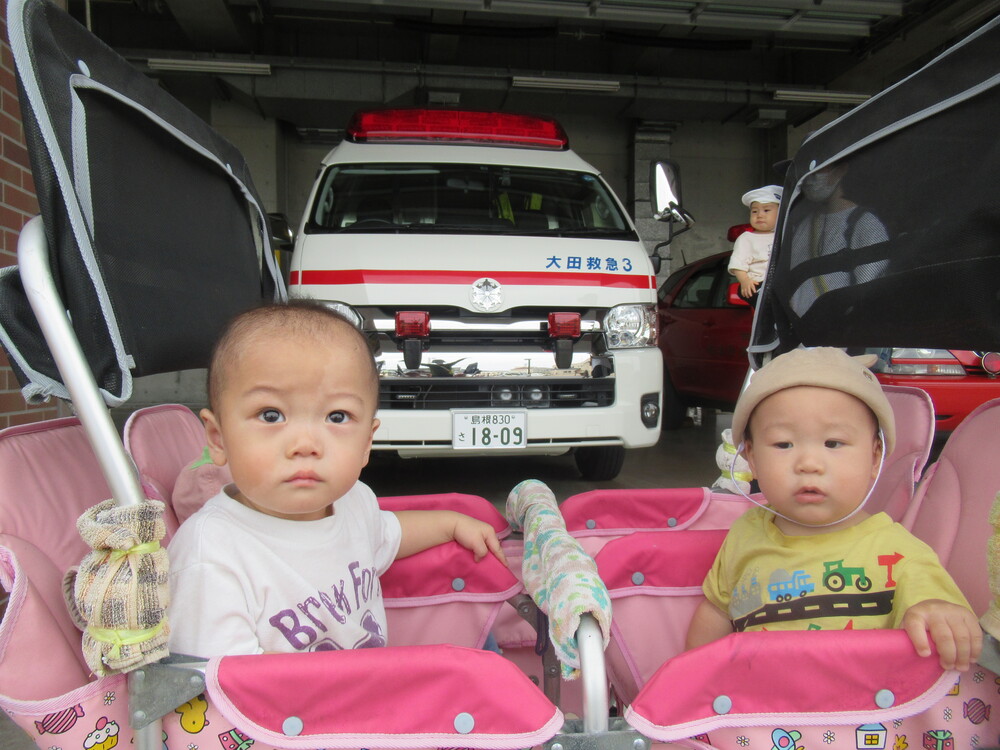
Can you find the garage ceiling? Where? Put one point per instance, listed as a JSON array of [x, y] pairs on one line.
[[310, 63]]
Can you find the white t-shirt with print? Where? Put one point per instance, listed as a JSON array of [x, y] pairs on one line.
[[242, 582]]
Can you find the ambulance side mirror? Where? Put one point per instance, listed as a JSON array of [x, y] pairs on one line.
[[282, 236], [665, 196], [282, 241]]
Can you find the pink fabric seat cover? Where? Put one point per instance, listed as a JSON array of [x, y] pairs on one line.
[[654, 579], [913, 412], [442, 595], [52, 477], [951, 507], [616, 512], [163, 440], [471, 505]]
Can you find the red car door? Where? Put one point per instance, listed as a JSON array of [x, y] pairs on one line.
[[703, 336]]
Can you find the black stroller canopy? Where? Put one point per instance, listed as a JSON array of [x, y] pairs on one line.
[[156, 233], [889, 233]]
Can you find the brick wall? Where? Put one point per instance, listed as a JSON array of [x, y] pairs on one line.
[[17, 205]]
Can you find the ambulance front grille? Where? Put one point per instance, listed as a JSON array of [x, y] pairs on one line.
[[469, 393]]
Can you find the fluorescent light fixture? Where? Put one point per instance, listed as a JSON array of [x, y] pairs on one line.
[[230, 67], [820, 96], [565, 84], [975, 16]]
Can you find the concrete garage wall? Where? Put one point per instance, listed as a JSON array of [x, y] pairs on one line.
[[718, 163]]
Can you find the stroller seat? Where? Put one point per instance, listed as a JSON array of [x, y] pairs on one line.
[[913, 412], [654, 578], [163, 440], [598, 516], [951, 506], [38, 544]]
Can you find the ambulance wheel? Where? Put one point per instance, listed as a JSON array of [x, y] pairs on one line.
[[600, 463]]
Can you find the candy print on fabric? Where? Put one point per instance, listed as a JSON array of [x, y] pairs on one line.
[[60, 721], [976, 710]]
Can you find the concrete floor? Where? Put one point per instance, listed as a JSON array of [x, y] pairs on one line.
[[682, 458]]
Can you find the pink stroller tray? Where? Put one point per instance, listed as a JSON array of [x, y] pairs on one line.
[[799, 678], [408, 696]]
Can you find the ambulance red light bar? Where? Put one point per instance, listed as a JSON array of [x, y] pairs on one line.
[[413, 324], [451, 125], [564, 325]]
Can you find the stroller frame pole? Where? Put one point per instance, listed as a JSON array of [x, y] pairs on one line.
[[590, 642], [33, 264]]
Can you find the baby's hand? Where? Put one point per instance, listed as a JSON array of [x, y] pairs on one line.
[[953, 628], [478, 536], [748, 288]]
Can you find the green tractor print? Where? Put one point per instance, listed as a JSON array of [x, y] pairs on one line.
[[836, 577]]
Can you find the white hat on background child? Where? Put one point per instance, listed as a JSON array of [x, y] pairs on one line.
[[767, 194]]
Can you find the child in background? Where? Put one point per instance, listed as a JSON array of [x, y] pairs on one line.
[[752, 250], [813, 425], [288, 557]]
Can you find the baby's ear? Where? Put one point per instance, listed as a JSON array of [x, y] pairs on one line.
[[878, 451], [213, 436]]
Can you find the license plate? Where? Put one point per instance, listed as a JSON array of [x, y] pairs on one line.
[[478, 429]]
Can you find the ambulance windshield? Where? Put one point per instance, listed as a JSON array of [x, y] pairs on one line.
[[467, 199]]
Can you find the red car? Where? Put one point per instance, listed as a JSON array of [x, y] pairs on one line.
[[705, 330], [704, 334]]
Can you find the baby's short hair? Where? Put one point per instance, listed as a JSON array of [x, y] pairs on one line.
[[297, 316], [821, 367]]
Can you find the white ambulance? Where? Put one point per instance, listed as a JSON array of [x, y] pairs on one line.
[[504, 291]]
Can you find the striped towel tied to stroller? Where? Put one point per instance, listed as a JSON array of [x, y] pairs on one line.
[[121, 591], [557, 573]]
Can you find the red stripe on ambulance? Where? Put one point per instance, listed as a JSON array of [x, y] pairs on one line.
[[516, 278]]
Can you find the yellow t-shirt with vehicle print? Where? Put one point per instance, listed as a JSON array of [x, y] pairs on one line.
[[862, 577]]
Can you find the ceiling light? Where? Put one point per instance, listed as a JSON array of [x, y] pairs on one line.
[[231, 67], [975, 16], [564, 84], [444, 97], [766, 118], [820, 96]]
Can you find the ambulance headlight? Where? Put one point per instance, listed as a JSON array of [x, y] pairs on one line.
[[630, 326]]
